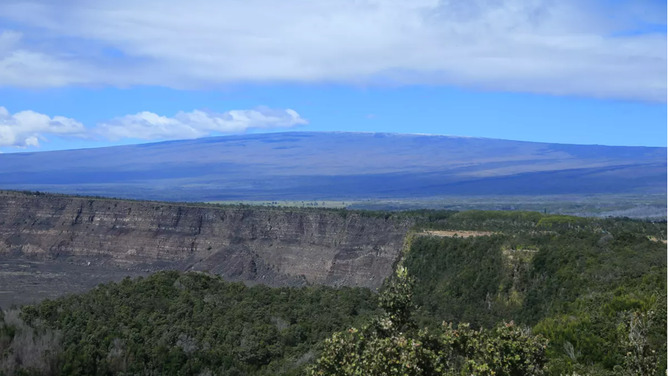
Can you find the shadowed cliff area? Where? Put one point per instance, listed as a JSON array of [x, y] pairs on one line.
[[337, 165]]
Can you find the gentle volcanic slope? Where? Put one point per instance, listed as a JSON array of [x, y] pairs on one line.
[[337, 165]]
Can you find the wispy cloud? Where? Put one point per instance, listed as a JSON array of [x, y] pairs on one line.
[[590, 48], [28, 128], [150, 126]]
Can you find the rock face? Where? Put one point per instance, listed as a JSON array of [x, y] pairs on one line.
[[270, 246]]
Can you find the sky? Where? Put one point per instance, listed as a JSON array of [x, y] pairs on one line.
[[83, 73]]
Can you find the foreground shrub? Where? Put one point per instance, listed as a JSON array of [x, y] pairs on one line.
[[392, 345]]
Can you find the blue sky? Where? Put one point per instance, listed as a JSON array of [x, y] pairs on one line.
[[88, 74]]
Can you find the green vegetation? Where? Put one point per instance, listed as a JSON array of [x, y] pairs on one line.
[[183, 324], [582, 290], [393, 345], [600, 205], [545, 295], [522, 222]]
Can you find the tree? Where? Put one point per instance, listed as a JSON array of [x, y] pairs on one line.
[[640, 359], [392, 345]]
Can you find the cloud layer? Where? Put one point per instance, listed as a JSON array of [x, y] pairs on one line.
[[589, 48], [28, 128]]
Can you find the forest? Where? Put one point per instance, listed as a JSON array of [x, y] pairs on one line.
[[531, 294]]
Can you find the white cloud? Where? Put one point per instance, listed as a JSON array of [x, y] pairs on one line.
[[28, 128], [150, 126], [565, 47]]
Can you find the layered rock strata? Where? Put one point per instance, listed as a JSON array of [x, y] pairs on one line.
[[276, 247]]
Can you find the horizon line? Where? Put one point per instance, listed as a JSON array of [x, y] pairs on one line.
[[323, 132]]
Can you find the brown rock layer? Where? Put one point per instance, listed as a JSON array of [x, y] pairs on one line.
[[271, 246]]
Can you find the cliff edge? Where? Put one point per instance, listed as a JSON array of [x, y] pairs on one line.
[[277, 247]]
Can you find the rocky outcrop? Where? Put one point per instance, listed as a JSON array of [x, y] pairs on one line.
[[254, 245]]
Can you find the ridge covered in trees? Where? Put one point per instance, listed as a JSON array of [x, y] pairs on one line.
[[534, 294]]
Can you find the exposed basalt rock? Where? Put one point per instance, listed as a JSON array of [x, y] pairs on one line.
[[270, 246]]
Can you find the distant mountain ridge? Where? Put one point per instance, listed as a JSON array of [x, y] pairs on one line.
[[337, 165]]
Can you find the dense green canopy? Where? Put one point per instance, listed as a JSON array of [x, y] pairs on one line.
[[541, 295]]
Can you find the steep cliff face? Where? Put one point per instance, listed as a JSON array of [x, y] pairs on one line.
[[275, 247]]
